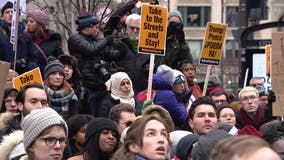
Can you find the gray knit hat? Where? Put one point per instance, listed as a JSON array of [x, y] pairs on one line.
[[167, 73], [175, 13], [53, 65], [38, 121]]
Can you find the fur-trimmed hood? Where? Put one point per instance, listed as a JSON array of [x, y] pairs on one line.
[[11, 147], [6, 120]]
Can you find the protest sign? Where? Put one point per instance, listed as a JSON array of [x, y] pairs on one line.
[[29, 77], [153, 29], [212, 45], [277, 72]]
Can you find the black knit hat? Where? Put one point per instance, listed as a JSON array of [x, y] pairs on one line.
[[53, 65], [98, 124], [185, 145], [6, 6], [86, 20]]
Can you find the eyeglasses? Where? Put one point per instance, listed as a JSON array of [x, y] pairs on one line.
[[227, 115], [133, 28], [51, 141], [249, 98]]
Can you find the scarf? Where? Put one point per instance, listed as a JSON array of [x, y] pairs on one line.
[[246, 120], [59, 100], [113, 85]]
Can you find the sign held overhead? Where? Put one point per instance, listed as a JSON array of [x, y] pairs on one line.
[[153, 29], [213, 42]]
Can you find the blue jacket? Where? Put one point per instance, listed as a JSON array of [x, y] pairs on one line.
[[166, 98], [26, 59]]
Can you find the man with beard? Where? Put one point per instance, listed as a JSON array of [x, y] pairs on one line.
[[134, 64]]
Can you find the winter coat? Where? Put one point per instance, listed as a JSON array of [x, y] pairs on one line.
[[166, 98], [9, 122], [50, 45], [12, 145], [108, 102], [87, 50], [175, 52], [134, 65], [26, 58]]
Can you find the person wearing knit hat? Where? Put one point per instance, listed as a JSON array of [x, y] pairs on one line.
[[202, 149], [85, 20], [41, 16], [175, 14], [184, 147], [177, 48], [102, 139], [167, 73], [45, 134], [7, 5], [47, 42], [163, 82], [62, 97], [9, 100]]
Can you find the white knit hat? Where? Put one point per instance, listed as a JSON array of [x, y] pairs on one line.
[[38, 121]]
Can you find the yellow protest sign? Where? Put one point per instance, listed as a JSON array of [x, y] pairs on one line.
[[27, 78], [153, 29], [212, 44], [268, 51]]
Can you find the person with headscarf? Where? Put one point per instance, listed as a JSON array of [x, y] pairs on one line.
[[120, 91]]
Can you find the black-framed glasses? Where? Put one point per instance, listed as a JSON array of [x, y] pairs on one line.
[[51, 141], [133, 27]]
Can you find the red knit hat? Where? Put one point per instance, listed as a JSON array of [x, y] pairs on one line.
[[41, 16]]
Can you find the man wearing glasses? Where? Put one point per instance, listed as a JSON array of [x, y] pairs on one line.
[[250, 113], [134, 64]]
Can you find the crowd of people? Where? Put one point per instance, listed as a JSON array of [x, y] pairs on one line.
[[93, 106]]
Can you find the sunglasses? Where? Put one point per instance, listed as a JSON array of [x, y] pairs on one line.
[[133, 28]]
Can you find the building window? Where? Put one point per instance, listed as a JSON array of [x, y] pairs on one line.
[[231, 48], [195, 16], [195, 48], [232, 16]]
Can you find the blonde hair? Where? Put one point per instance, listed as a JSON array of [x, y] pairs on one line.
[[248, 89]]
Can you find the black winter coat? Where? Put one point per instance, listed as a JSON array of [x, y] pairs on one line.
[[134, 65], [51, 46], [87, 50], [108, 102]]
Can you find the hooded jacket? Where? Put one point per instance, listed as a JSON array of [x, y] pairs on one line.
[[166, 98], [12, 145]]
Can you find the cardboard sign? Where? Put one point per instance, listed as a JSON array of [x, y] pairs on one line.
[[27, 78], [153, 29], [4, 70], [268, 51], [277, 72], [213, 43]]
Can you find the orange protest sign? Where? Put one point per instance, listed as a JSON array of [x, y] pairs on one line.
[[153, 29], [213, 42], [27, 78]]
